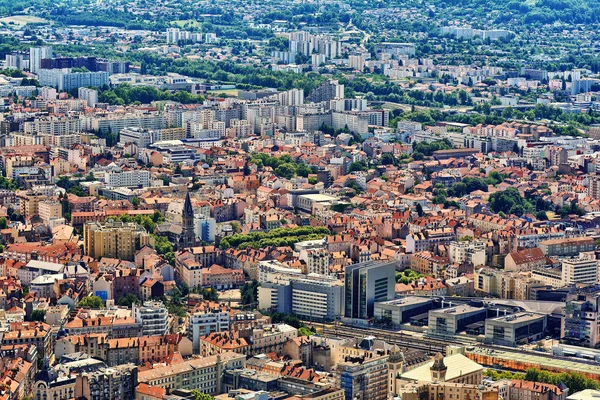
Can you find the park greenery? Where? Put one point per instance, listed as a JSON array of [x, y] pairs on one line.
[[573, 380], [284, 166], [93, 302], [276, 237], [125, 94], [249, 293], [407, 276]]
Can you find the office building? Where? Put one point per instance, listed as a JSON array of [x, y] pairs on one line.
[[580, 324], [516, 329], [114, 239], [582, 269], [153, 316], [317, 299], [450, 321], [400, 311], [365, 284]]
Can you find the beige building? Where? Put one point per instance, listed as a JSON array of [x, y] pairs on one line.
[[205, 374], [49, 210], [114, 239]]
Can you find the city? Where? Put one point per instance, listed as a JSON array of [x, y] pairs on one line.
[[300, 200]]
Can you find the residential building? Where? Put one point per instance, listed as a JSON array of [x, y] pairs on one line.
[[153, 316], [204, 374], [114, 239]]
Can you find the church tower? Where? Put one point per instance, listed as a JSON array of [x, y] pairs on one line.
[[188, 237], [438, 369]]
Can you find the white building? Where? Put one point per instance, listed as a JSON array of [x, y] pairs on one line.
[[582, 269], [204, 322], [36, 54], [467, 252], [153, 316], [89, 95], [135, 178]]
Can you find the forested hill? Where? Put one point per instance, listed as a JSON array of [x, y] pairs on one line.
[[525, 11]]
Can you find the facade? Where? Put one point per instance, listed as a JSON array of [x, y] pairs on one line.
[[214, 319], [134, 178], [153, 316], [363, 376], [365, 284], [512, 330], [204, 374], [400, 311], [582, 269], [89, 95], [114, 239], [580, 323], [450, 321], [317, 299], [567, 246]]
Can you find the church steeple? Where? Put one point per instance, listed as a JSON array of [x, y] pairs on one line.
[[188, 210], [188, 236]]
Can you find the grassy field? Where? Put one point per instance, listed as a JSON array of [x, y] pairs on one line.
[[228, 92], [23, 20], [192, 23]]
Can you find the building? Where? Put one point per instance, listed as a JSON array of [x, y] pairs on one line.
[[513, 330], [451, 321], [211, 319], [153, 316], [582, 269], [135, 178], [580, 324], [472, 252], [365, 284], [328, 90], [455, 368], [205, 374], [188, 235], [112, 383], [317, 299], [89, 95], [567, 246], [363, 376], [520, 389], [36, 55], [114, 239], [525, 260], [400, 311], [49, 210]]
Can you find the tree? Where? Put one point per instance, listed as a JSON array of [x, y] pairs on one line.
[[91, 302], [136, 202], [249, 292], [38, 315], [419, 209], [387, 159], [3, 223], [128, 300], [201, 396]]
